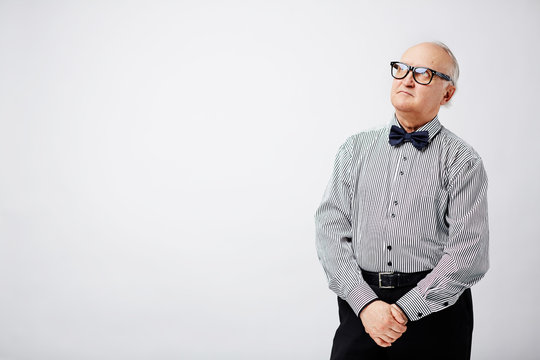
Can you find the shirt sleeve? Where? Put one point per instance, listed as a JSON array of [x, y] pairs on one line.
[[465, 256], [334, 233]]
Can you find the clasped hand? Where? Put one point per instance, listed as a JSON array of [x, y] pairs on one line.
[[385, 323]]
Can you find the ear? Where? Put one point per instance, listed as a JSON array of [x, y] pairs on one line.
[[448, 93]]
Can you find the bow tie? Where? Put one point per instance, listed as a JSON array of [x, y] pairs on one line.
[[419, 139]]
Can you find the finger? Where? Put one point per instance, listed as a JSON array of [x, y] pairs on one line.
[[386, 338], [392, 334], [381, 342], [397, 330], [397, 327], [395, 324], [391, 323]]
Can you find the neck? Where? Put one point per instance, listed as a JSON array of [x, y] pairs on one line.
[[412, 122]]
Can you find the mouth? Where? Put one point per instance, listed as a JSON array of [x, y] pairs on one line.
[[405, 92]]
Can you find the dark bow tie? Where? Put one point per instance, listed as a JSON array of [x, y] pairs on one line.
[[419, 139]]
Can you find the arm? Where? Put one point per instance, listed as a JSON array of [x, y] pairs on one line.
[[465, 258], [334, 233]]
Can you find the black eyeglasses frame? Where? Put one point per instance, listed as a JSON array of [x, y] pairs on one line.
[[412, 68]]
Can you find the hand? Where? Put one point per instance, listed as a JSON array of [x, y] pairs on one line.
[[380, 323], [398, 314]]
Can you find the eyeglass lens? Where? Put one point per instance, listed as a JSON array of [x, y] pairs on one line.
[[421, 75]]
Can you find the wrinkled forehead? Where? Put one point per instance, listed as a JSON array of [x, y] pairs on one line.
[[428, 55]]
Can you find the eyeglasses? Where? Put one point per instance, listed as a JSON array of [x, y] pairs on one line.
[[421, 75]]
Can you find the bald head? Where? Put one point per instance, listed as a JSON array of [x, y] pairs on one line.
[[442, 58]]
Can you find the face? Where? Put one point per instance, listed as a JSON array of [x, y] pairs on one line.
[[423, 101]]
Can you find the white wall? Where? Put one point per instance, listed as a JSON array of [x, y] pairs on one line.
[[161, 162]]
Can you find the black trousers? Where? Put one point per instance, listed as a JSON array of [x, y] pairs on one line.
[[445, 334]]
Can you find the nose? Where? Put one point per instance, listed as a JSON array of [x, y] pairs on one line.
[[408, 80]]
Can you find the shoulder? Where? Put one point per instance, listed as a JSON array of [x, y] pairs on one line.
[[456, 144], [457, 153], [363, 140]]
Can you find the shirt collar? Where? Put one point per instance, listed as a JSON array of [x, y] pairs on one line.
[[433, 127]]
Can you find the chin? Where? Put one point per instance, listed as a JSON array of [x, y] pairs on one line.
[[401, 104]]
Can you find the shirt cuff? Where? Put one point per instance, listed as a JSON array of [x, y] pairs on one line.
[[414, 305], [360, 297]]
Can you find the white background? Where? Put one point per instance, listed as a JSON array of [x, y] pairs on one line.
[[161, 163]]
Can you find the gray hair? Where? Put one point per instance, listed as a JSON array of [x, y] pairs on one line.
[[455, 66]]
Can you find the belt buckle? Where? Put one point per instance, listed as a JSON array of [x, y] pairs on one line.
[[380, 280]]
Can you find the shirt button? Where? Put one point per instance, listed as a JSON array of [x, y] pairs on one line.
[[389, 263], [404, 158], [420, 314], [389, 247], [445, 303], [393, 215], [395, 202], [401, 173]]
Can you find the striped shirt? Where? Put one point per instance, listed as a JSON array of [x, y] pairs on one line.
[[400, 209]]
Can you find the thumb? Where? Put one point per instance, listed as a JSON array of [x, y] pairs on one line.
[[400, 318]]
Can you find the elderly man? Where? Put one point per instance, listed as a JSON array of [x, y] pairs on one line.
[[402, 230]]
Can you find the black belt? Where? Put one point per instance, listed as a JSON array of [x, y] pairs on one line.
[[390, 280]]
